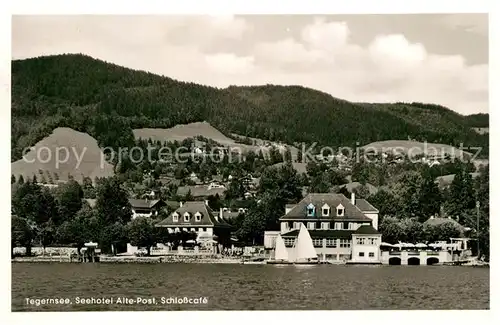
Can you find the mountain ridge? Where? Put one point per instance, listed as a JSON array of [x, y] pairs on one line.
[[89, 95]]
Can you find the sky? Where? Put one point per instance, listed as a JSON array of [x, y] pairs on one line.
[[432, 58]]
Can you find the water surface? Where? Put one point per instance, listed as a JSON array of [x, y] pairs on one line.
[[250, 287]]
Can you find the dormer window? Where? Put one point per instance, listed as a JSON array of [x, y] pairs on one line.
[[310, 210], [197, 216], [175, 217], [340, 210], [186, 217], [325, 209]]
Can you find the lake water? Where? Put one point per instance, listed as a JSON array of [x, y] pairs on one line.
[[247, 287]]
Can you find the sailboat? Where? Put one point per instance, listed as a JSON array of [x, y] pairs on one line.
[[303, 252], [280, 252]]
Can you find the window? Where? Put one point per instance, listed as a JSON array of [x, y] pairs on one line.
[[360, 241], [310, 225], [310, 210], [340, 210], [331, 242], [197, 216], [338, 226], [318, 242], [186, 217], [289, 241], [325, 225], [351, 226], [372, 241], [361, 254], [175, 217], [326, 210], [296, 225], [345, 243], [371, 254], [200, 229], [205, 229]]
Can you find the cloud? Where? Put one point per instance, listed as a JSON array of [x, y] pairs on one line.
[[319, 54], [327, 36], [229, 63]]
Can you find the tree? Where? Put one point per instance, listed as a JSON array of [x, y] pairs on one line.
[[391, 230], [299, 156], [20, 180], [69, 200], [12, 179], [320, 184], [189, 196], [442, 231], [112, 202], [235, 190], [461, 196], [430, 198], [89, 191], [46, 234], [287, 157], [111, 237], [22, 234], [362, 191], [32, 202], [385, 202], [412, 231], [84, 227], [142, 233]]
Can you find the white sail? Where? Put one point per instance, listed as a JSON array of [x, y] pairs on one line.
[[304, 247], [280, 252]]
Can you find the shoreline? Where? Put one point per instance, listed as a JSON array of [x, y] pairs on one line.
[[176, 259]]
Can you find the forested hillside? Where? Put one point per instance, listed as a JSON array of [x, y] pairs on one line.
[[108, 101], [478, 120]]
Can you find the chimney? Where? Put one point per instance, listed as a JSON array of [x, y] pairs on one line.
[[180, 204], [353, 198]]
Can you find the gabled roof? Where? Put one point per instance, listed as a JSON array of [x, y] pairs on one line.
[[365, 206], [143, 204], [135, 203], [366, 230], [192, 207], [351, 212], [200, 191]]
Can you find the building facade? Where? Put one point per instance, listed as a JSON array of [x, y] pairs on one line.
[[342, 229], [196, 216]]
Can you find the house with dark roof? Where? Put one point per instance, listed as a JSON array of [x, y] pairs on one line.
[[342, 229], [202, 191], [140, 207], [196, 216]]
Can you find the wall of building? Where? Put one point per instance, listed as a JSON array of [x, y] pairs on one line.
[[135, 214], [423, 256], [198, 230], [361, 252], [270, 239], [374, 217]]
